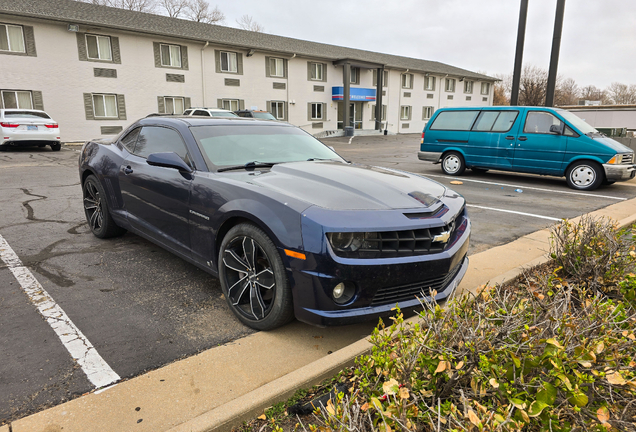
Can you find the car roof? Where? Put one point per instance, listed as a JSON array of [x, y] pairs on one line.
[[208, 109], [209, 121]]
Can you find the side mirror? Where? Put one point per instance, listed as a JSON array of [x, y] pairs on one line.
[[558, 129], [168, 160]]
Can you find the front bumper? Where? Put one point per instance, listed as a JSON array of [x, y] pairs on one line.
[[429, 156], [619, 172]]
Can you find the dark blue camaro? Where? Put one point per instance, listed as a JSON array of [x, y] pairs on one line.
[[288, 226]]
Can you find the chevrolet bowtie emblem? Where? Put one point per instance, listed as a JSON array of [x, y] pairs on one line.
[[443, 237]]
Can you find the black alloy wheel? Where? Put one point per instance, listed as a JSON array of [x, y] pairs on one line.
[[96, 210], [253, 278]]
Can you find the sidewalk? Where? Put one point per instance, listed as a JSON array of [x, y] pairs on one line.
[[219, 388]]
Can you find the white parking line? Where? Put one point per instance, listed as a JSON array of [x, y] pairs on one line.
[[82, 351], [514, 212], [527, 187]]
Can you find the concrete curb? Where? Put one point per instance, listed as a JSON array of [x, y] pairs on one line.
[[250, 405]]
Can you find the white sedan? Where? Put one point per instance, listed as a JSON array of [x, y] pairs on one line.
[[28, 127]]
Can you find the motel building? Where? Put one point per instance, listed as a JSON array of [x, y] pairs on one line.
[[96, 69]]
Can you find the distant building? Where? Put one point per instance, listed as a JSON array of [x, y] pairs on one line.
[[96, 69], [607, 116]]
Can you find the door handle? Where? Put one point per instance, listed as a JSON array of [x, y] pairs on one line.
[[128, 170], [522, 138], [510, 137]]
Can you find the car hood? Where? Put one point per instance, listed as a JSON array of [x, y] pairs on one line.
[[338, 186], [613, 144]]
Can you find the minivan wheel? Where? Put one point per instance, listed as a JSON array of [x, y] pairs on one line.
[[453, 164], [584, 175]]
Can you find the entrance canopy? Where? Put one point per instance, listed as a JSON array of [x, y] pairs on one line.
[[355, 94]]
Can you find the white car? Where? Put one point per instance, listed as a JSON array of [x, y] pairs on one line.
[[28, 127], [209, 112]]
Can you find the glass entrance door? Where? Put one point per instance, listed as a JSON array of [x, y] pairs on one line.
[[355, 114]]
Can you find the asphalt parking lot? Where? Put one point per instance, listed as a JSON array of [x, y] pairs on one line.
[[142, 308]]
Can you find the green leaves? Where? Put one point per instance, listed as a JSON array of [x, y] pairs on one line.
[[547, 395]]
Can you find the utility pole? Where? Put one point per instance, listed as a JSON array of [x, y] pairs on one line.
[[521, 35], [554, 58]]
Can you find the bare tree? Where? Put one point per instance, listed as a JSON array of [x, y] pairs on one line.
[[532, 86], [199, 11], [566, 92], [174, 8], [621, 94], [246, 22], [501, 90]]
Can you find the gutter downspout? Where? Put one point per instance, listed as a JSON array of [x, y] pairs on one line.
[[203, 71]]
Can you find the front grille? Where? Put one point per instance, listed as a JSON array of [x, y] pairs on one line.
[[627, 158], [391, 295], [391, 244]]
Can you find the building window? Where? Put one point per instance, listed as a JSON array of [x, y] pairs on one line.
[[17, 99], [385, 77], [405, 112], [355, 75], [407, 81], [278, 109], [468, 86], [429, 83], [105, 106], [276, 67], [450, 84], [427, 112], [383, 112], [316, 71], [231, 104], [11, 38], [485, 88], [173, 105], [228, 62], [170, 55], [98, 47], [316, 111]]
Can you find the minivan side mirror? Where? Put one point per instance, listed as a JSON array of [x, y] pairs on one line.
[[558, 129], [168, 160]]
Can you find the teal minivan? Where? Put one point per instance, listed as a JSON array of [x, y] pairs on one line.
[[537, 140]]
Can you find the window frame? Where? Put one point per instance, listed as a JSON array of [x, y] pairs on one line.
[[314, 106], [9, 50], [408, 110], [96, 36], [313, 68], [430, 79], [384, 108], [425, 109], [180, 65], [15, 92], [103, 95], [165, 105], [407, 83], [277, 104], [275, 60], [354, 78], [229, 63], [487, 84], [228, 103], [467, 84], [447, 86]]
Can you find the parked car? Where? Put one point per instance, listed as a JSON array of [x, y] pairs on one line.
[[287, 225], [265, 115], [536, 140], [209, 112], [28, 127]]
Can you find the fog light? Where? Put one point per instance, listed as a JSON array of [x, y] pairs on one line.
[[339, 290], [343, 292]]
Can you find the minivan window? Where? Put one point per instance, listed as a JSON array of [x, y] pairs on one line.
[[485, 121], [539, 122], [454, 120], [505, 121], [495, 121]]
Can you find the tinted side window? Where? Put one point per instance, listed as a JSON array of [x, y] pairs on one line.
[[154, 139], [486, 120], [244, 114], [454, 120], [187, 112], [505, 121], [130, 139], [540, 122], [201, 113]]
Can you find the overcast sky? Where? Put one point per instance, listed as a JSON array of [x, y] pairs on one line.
[[598, 44]]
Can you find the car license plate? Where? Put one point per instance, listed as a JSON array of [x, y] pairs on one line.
[[32, 128]]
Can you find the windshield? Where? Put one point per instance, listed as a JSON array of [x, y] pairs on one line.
[[577, 122], [222, 114], [264, 115], [229, 145], [27, 114]]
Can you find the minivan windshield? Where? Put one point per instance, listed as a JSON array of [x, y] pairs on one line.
[[229, 145], [577, 122]]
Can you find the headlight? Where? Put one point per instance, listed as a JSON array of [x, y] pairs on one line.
[[351, 242]]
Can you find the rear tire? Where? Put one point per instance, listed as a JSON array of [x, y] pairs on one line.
[[56, 147], [584, 175], [96, 210], [453, 164]]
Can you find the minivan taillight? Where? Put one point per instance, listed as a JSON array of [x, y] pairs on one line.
[[51, 126], [11, 125], [422, 142]]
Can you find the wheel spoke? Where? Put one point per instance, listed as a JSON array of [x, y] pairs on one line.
[[229, 291], [244, 287], [249, 249], [234, 262], [256, 302], [90, 204], [94, 220], [266, 279]]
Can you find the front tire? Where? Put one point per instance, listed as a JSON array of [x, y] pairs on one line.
[[96, 210], [584, 175], [253, 278], [453, 164]]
